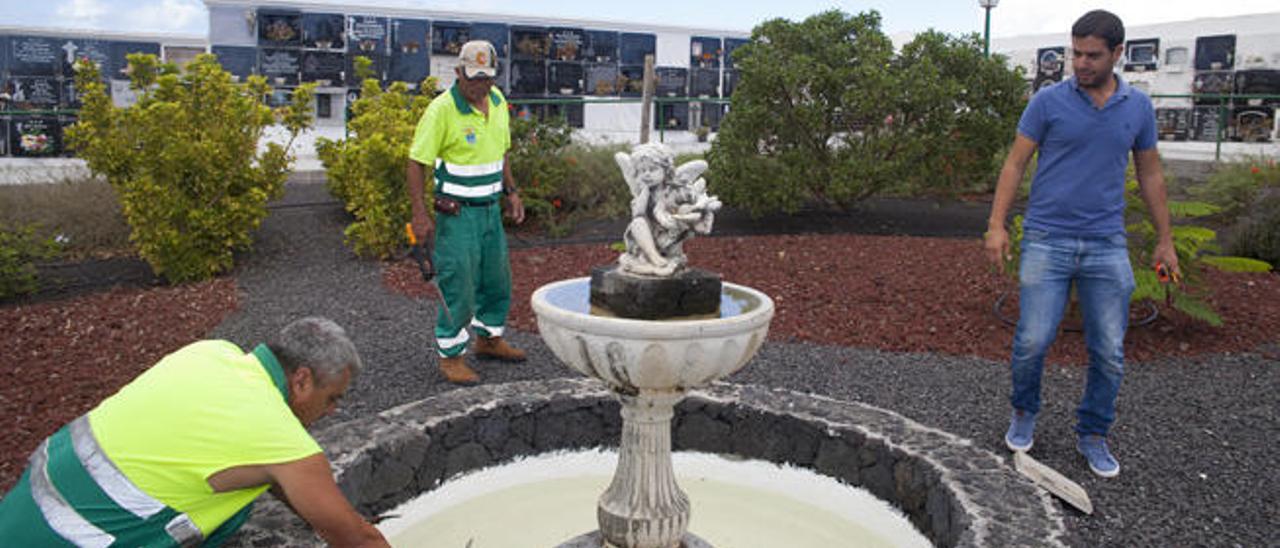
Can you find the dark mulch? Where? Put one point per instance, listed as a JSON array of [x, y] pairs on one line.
[[63, 356], [902, 294]]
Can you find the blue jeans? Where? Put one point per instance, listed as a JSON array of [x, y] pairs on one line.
[[1100, 268]]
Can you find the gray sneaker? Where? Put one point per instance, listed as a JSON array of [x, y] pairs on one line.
[[1094, 449], [1022, 428]]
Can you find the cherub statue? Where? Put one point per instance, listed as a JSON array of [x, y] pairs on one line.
[[668, 206]]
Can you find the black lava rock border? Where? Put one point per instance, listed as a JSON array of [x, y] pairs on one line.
[[954, 492]]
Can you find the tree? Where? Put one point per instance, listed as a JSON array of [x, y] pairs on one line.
[[826, 112], [185, 161]]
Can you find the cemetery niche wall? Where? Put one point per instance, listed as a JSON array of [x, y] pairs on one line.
[[37, 77]]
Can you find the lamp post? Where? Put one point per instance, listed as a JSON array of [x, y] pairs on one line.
[[986, 33]]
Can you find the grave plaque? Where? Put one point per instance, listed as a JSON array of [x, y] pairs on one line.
[[34, 56], [730, 81], [240, 61], [1215, 52], [323, 31], [530, 43], [671, 116], [572, 114], [34, 93], [731, 45], [1205, 124], [1142, 55], [566, 44], [280, 66], [1173, 123], [528, 77], [634, 46], [122, 94], [4, 69], [704, 82], [602, 79], [120, 51], [1252, 124], [323, 67], [182, 56], [672, 81], [368, 35], [70, 96], [34, 136], [631, 80], [564, 78], [409, 61], [96, 51], [368, 38], [704, 52], [601, 47], [494, 33], [279, 28], [447, 37]]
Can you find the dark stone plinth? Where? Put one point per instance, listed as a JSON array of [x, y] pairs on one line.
[[596, 540], [692, 292]]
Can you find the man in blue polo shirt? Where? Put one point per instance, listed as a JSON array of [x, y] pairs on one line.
[[1084, 129]]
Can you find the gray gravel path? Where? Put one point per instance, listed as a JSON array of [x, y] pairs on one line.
[[1196, 437]]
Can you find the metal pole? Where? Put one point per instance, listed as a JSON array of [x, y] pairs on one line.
[[646, 101], [986, 36], [1222, 128]]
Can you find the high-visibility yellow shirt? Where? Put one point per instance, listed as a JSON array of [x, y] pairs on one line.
[[469, 146], [202, 409]]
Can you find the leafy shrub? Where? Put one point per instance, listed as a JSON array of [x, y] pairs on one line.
[[20, 248], [185, 159], [1259, 236], [826, 112], [1235, 186], [366, 171], [541, 168]]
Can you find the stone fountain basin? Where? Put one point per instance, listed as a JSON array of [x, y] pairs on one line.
[[953, 491], [631, 355]]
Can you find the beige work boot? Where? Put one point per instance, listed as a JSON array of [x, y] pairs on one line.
[[456, 371], [495, 347]]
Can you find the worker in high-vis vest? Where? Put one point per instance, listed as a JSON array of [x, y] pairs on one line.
[[464, 136], [177, 456]]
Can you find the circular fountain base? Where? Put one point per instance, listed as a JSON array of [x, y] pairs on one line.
[[951, 490], [595, 540]]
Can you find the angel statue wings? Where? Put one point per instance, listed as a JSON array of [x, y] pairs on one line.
[[668, 206]]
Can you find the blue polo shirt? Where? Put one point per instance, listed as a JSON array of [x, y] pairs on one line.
[[1078, 189]]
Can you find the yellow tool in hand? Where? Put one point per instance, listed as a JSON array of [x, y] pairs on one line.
[[421, 253]]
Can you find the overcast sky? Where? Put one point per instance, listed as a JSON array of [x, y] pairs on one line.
[[1010, 18]]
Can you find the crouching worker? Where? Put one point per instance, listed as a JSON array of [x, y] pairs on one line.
[[178, 455]]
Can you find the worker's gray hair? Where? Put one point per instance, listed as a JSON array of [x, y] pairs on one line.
[[318, 344]]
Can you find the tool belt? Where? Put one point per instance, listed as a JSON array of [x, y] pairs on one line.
[[451, 206]]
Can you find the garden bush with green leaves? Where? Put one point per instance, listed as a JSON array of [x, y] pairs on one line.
[[366, 171], [827, 113], [20, 249], [185, 160]]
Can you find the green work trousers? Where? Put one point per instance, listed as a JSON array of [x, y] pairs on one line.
[[474, 276]]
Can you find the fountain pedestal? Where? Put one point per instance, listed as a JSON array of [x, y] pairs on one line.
[[650, 365]]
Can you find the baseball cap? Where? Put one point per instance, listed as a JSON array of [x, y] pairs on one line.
[[478, 59]]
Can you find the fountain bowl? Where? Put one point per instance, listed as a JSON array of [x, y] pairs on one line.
[[631, 355]]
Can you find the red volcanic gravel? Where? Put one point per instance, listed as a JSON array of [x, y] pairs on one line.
[[62, 357], [899, 293]]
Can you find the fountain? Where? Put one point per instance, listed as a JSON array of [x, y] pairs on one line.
[[651, 329], [659, 330]]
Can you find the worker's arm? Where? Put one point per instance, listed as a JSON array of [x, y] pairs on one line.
[[996, 239], [415, 182], [1151, 182], [308, 488]]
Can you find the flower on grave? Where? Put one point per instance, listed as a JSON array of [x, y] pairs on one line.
[[35, 142], [1254, 170], [556, 203]]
